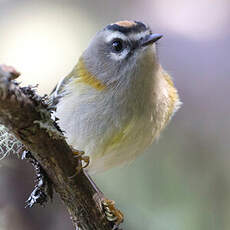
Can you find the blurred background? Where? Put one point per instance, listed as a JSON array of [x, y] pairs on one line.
[[183, 181]]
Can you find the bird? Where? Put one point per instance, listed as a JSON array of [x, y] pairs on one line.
[[116, 101], [118, 98]]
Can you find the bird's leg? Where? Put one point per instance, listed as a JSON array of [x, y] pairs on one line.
[[81, 157], [113, 215]]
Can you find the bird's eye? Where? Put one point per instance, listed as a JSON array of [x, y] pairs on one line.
[[117, 45]]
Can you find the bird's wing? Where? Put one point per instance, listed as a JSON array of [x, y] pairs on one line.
[[58, 90]]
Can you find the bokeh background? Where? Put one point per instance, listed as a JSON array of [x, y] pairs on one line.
[[183, 181]]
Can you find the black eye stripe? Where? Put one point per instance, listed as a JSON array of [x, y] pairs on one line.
[[118, 46], [134, 44], [127, 43]]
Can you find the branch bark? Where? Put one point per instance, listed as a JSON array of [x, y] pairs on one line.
[[27, 117]]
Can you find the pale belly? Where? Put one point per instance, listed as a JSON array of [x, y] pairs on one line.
[[109, 137]]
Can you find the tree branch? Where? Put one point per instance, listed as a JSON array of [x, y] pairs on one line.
[[26, 115]]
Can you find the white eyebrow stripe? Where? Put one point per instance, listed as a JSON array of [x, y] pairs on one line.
[[133, 36], [138, 36], [116, 34]]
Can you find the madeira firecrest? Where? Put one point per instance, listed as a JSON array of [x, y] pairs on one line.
[[118, 98]]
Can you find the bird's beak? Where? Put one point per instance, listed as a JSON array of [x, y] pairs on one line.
[[150, 39]]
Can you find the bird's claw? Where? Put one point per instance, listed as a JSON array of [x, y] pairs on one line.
[[112, 214], [81, 157]]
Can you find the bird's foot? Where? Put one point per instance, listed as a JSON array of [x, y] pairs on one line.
[[82, 158], [113, 215]]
